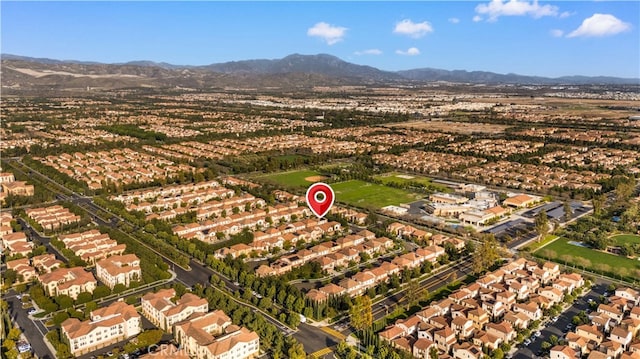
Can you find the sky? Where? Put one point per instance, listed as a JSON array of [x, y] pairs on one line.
[[543, 38]]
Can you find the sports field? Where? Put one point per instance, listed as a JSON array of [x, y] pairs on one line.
[[370, 195], [562, 251], [402, 178], [626, 238], [302, 178]]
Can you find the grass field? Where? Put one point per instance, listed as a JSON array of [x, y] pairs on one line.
[[598, 261], [536, 245], [626, 238], [401, 178], [291, 178], [369, 195]]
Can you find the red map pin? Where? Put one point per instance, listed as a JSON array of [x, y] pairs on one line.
[[320, 198]]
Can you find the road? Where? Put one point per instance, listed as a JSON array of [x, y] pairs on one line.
[[313, 338], [561, 326], [34, 330]]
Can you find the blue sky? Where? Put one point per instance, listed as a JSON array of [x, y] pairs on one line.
[[505, 36]]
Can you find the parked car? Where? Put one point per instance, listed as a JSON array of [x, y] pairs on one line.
[[32, 311]]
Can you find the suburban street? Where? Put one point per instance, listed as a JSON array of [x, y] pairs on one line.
[[560, 327], [34, 330], [313, 338]]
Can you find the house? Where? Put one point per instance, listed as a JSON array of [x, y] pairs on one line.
[[530, 309], [517, 320], [422, 348], [621, 336], [554, 295], [562, 352], [45, 262], [391, 333], [467, 350], [590, 333], [445, 338], [577, 343], [502, 330], [462, 327], [484, 340], [629, 294], [611, 311], [479, 317], [24, 271], [106, 326]]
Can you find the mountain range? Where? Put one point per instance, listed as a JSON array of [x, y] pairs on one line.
[[293, 71]]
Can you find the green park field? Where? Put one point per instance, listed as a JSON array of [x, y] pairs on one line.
[[403, 178], [370, 195], [564, 252], [626, 238], [301, 178]]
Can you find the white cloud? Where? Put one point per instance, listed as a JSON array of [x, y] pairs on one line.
[[556, 33], [454, 20], [412, 29], [477, 18], [565, 14], [369, 52], [600, 25], [412, 51], [496, 8], [327, 32]]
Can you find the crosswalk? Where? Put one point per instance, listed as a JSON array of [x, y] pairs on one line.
[[321, 353], [334, 333]]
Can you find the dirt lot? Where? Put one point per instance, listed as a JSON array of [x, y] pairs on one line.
[[454, 127]]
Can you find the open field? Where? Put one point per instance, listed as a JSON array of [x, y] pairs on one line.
[[626, 238], [402, 178], [369, 195], [536, 245], [455, 127], [562, 251], [301, 178]]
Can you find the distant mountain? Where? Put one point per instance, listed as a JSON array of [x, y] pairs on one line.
[[293, 71], [429, 74], [321, 64]]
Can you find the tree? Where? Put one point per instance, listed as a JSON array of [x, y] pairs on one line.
[[101, 291], [149, 337], [542, 224], [433, 353], [64, 301], [598, 202], [624, 190], [568, 210], [360, 313], [60, 317], [83, 297], [498, 354], [412, 294], [296, 351], [486, 254], [14, 334]]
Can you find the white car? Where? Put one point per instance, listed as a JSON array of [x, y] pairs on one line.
[[32, 311]]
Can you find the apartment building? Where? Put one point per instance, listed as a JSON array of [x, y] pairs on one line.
[[163, 312], [106, 326], [68, 281], [120, 269]]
